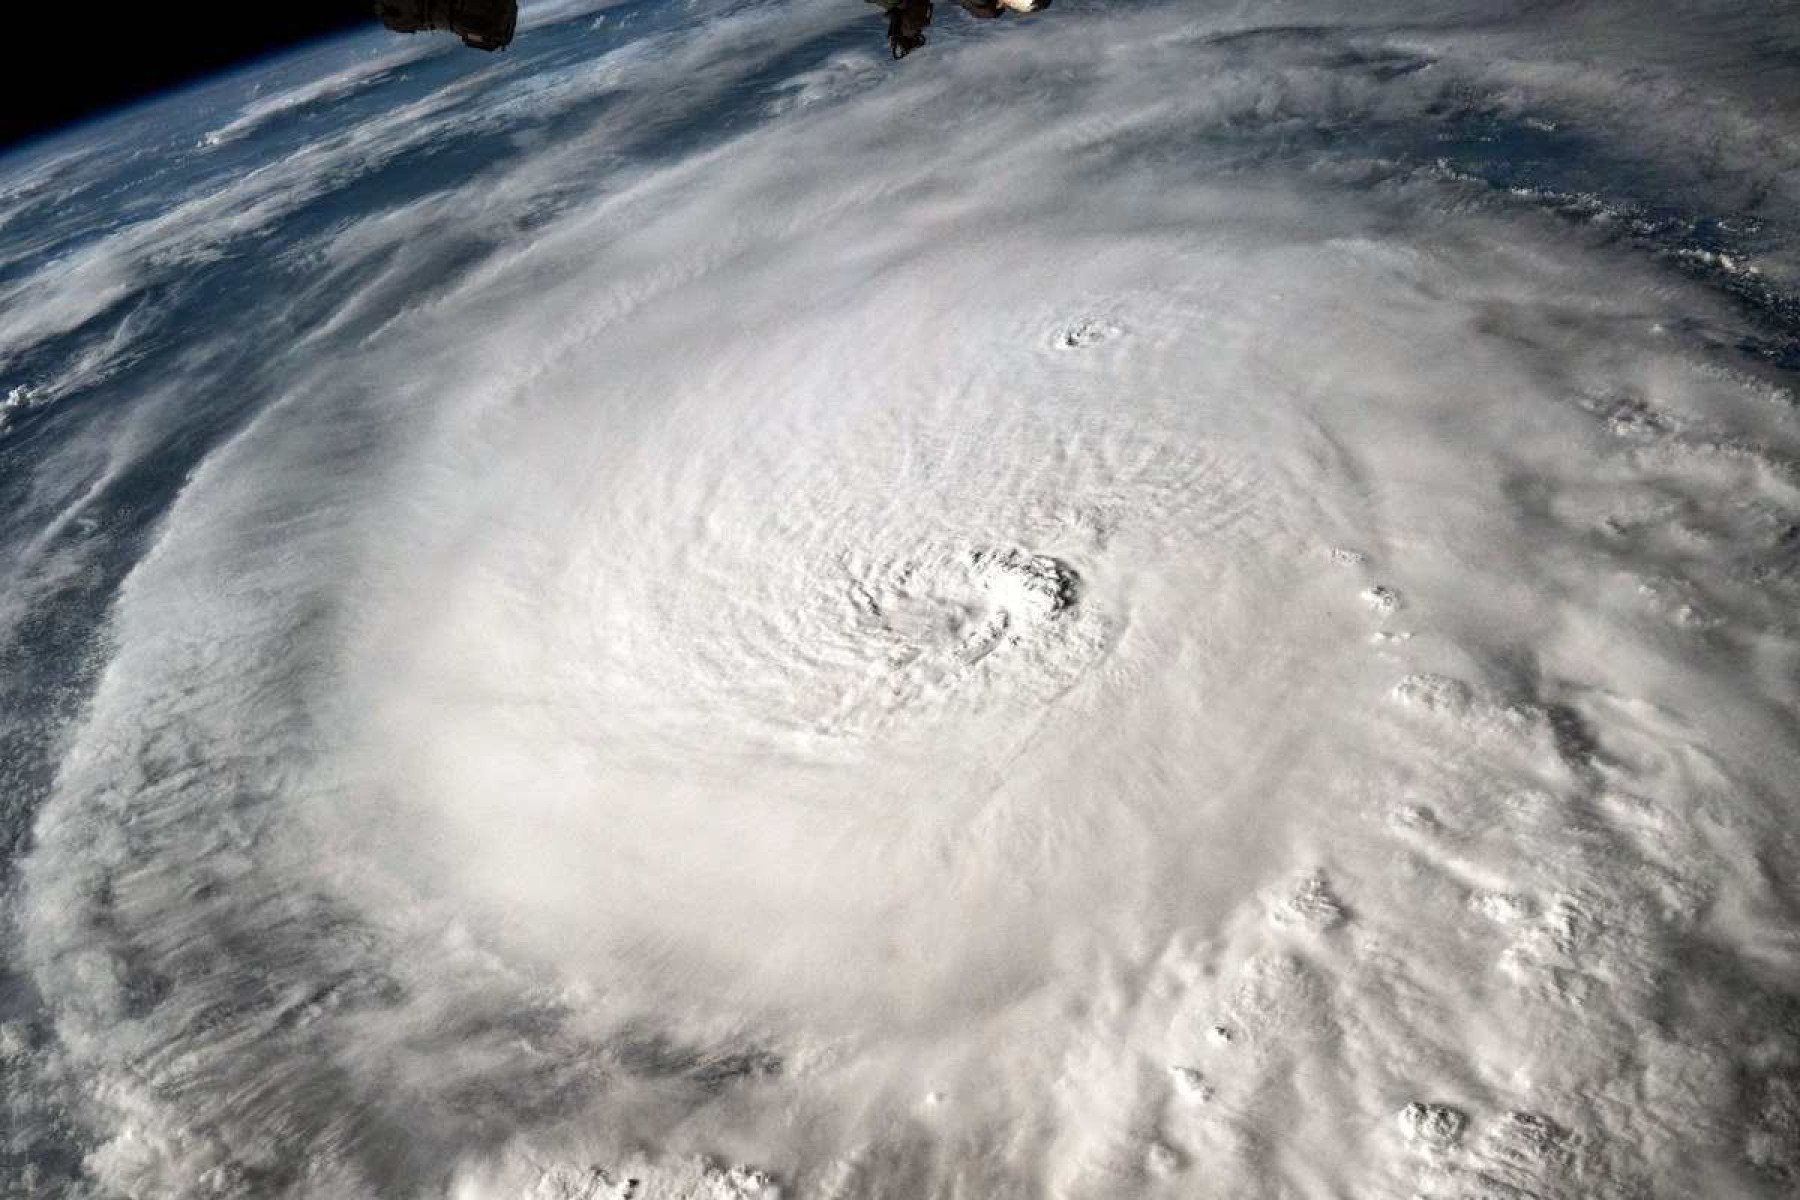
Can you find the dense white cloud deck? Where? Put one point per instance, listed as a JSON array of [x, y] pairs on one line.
[[1116, 611]]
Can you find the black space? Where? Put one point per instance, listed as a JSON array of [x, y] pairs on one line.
[[73, 61]]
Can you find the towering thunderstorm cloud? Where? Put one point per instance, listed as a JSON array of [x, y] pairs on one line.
[[1164, 600]]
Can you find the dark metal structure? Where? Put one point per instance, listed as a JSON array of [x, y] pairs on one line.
[[483, 24], [907, 20]]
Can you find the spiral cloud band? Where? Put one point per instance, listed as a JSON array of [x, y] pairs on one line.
[[1164, 600]]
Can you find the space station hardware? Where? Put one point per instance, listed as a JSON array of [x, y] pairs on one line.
[[907, 20], [482, 24]]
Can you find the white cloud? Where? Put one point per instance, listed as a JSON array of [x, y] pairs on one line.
[[845, 650]]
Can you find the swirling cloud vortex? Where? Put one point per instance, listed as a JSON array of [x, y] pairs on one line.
[[1167, 600]]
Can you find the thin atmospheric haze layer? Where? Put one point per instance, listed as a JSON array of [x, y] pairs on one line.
[[1163, 600]]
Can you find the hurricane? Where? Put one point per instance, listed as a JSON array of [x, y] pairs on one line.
[[1167, 598]]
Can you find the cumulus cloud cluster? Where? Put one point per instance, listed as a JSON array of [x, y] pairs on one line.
[[1170, 600]]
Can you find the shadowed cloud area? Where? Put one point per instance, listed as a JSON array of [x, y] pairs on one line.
[[1161, 600]]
